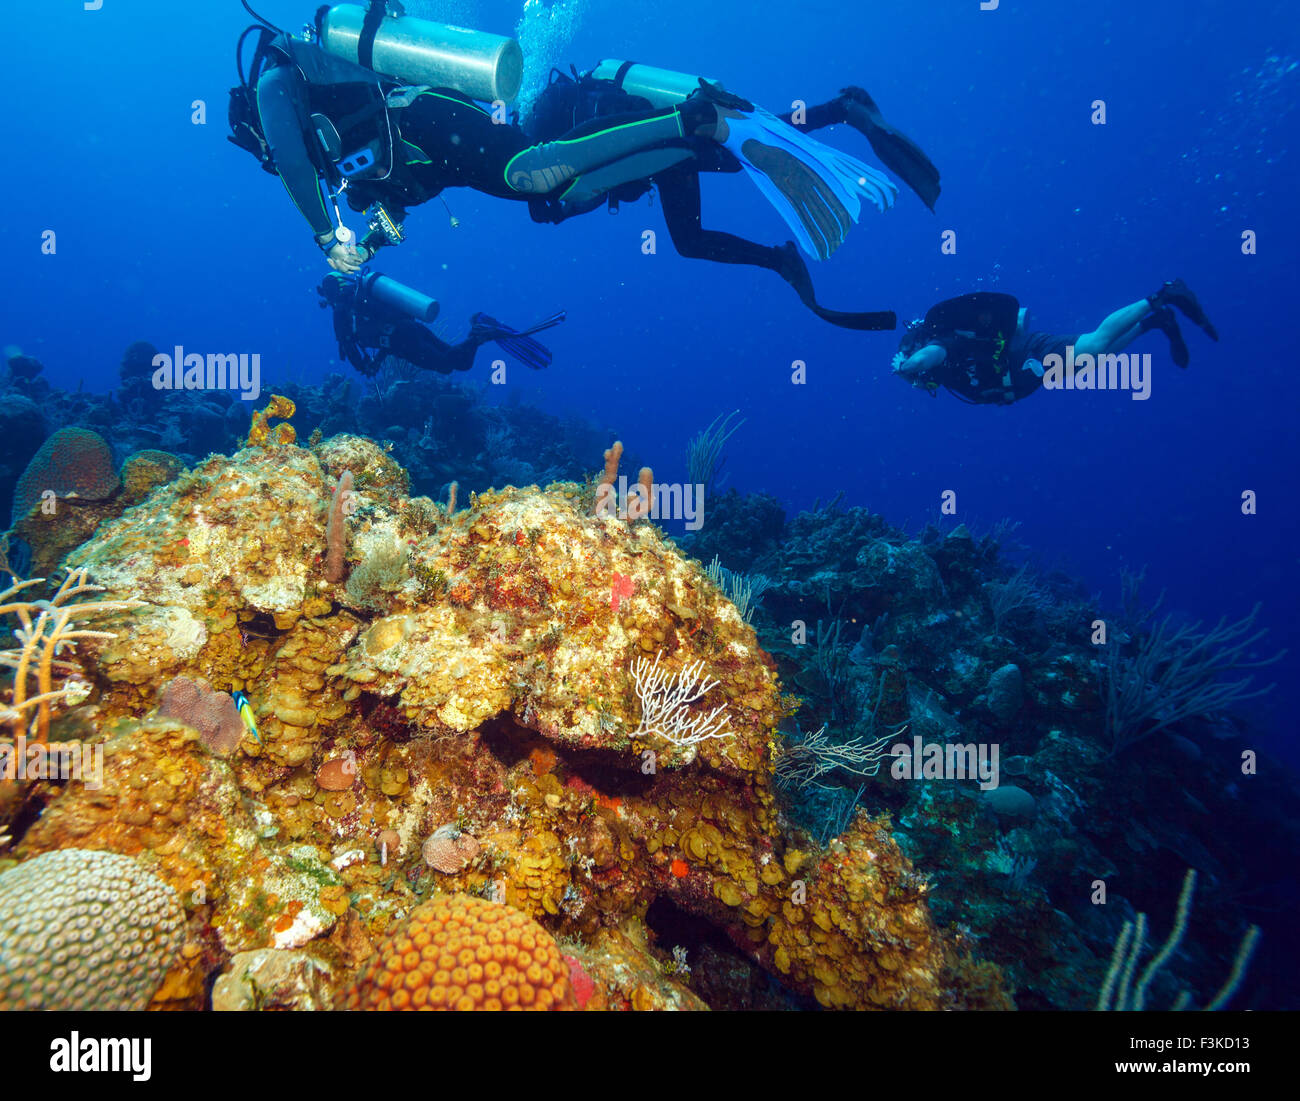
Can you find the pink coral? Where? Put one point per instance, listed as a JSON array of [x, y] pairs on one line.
[[582, 984], [213, 714]]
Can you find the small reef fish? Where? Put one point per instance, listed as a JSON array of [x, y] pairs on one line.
[[245, 710]]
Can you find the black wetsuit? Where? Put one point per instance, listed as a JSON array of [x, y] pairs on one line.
[[368, 331], [980, 379], [426, 140], [990, 359], [575, 105]]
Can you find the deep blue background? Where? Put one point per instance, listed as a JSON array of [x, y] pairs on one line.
[[168, 233]]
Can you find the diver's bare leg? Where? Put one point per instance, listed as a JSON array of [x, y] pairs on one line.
[[1118, 331]]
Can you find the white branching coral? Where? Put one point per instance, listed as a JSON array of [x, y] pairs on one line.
[[666, 701], [804, 763]]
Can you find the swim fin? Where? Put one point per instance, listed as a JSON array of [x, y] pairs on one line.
[[1163, 318], [521, 345], [816, 189], [897, 152], [1177, 293]]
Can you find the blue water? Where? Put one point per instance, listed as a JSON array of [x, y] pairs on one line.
[[168, 233]]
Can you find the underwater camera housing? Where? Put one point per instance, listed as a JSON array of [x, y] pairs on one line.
[[486, 67]]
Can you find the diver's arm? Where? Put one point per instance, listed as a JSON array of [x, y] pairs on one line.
[[921, 363], [293, 163]]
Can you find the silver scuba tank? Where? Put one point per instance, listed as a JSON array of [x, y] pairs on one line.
[[401, 297], [662, 87], [482, 66]]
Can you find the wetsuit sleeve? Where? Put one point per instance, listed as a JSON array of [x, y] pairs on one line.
[[277, 105]]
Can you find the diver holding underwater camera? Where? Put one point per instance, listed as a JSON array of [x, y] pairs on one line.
[[384, 112]]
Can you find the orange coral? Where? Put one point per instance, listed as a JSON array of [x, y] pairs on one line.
[[605, 487], [459, 952], [260, 432]]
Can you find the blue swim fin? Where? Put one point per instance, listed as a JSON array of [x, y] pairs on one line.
[[816, 189]]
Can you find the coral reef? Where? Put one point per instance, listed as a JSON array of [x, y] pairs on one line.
[[939, 632], [533, 707], [496, 714], [261, 434]]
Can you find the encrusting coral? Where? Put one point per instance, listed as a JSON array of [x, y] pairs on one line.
[[497, 693]]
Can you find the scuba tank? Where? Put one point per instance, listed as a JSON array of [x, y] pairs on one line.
[[419, 307], [662, 87], [485, 67]]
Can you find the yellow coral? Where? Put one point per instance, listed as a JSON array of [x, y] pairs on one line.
[[261, 430]]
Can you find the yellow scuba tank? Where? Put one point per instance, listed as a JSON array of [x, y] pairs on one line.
[[662, 87], [485, 67]]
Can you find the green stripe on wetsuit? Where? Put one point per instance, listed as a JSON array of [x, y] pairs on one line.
[[543, 169]]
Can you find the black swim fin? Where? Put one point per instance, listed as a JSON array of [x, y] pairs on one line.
[[1163, 318], [899, 153], [794, 271], [1177, 293], [521, 345]]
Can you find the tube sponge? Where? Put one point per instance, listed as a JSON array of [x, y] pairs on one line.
[[336, 532]]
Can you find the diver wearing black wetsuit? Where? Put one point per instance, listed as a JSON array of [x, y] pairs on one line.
[[413, 143], [979, 346], [571, 105], [383, 147], [369, 329]]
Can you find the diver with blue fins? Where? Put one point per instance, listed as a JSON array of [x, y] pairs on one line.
[[617, 89], [979, 346], [385, 112], [376, 317]]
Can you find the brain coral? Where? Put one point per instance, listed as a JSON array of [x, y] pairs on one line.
[[82, 930], [460, 952], [73, 460]]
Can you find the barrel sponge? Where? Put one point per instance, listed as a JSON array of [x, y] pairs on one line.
[[461, 952], [73, 460], [83, 930]]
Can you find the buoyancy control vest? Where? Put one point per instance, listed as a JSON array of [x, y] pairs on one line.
[[976, 332]]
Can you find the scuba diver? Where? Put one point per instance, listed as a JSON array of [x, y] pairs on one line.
[[978, 346], [385, 112], [375, 317], [616, 89]]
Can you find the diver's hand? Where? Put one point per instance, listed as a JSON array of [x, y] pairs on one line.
[[347, 259]]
